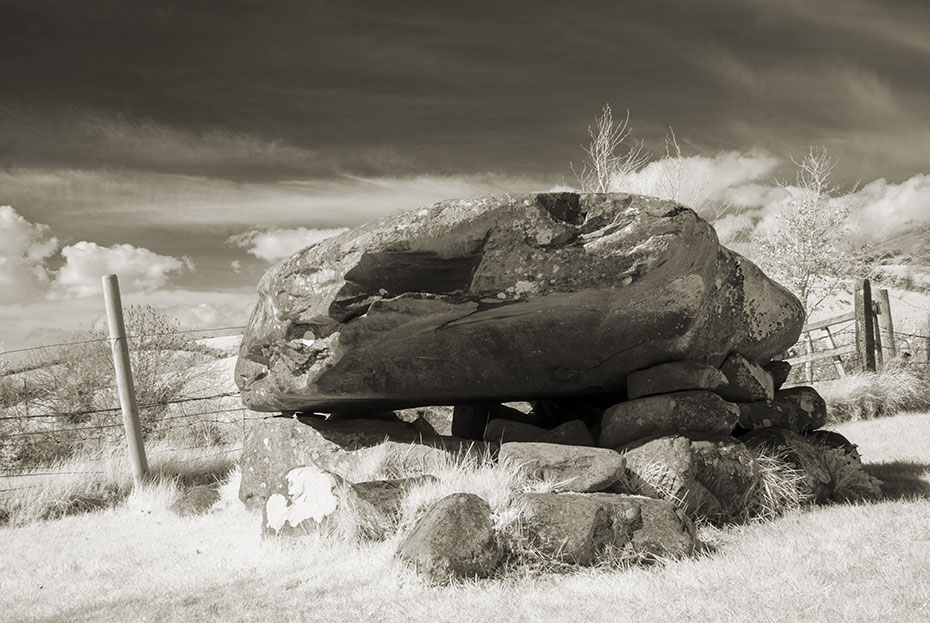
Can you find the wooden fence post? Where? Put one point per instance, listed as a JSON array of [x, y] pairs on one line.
[[877, 332], [127, 391], [865, 330], [886, 325]]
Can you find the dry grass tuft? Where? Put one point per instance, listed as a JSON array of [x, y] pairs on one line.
[[900, 386], [782, 488], [102, 478]]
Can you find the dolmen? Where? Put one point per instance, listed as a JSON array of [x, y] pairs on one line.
[[605, 343]]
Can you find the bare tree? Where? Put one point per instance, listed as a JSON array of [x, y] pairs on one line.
[[806, 245], [606, 159]]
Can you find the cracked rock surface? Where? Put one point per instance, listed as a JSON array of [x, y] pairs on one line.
[[510, 297]]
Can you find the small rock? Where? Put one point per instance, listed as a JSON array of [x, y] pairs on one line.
[[672, 377], [455, 538], [747, 380], [832, 439], [196, 500], [779, 371], [667, 414], [576, 468]]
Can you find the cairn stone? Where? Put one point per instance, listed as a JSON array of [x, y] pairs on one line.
[[303, 501], [676, 376], [454, 539], [746, 381], [780, 370], [274, 445], [578, 528], [575, 468], [667, 414], [709, 477]]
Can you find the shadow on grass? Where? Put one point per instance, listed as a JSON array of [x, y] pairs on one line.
[[902, 479]]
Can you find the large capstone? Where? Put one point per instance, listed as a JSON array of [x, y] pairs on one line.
[[512, 297]]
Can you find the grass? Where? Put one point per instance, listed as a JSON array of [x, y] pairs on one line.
[[139, 561], [900, 386], [101, 478]]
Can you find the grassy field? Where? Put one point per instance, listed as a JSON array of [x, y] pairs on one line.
[[142, 562]]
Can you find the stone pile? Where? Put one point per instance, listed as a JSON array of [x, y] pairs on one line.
[[606, 344]]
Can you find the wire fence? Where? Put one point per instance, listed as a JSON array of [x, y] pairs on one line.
[[54, 428]]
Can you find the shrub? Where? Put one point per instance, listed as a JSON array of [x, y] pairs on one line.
[[76, 383]]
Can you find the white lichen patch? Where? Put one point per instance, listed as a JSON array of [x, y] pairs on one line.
[[311, 494], [525, 287]]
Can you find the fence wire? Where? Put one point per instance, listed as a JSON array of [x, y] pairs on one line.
[[160, 429]]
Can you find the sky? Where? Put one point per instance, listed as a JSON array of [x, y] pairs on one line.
[[187, 145]]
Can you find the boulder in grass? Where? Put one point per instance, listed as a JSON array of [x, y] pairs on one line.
[[348, 448], [667, 414], [709, 477], [676, 376], [575, 468], [580, 528], [517, 296], [454, 539], [747, 381]]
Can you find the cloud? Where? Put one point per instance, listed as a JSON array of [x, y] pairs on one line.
[[274, 244], [70, 199], [696, 181], [887, 211], [138, 268], [24, 249]]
